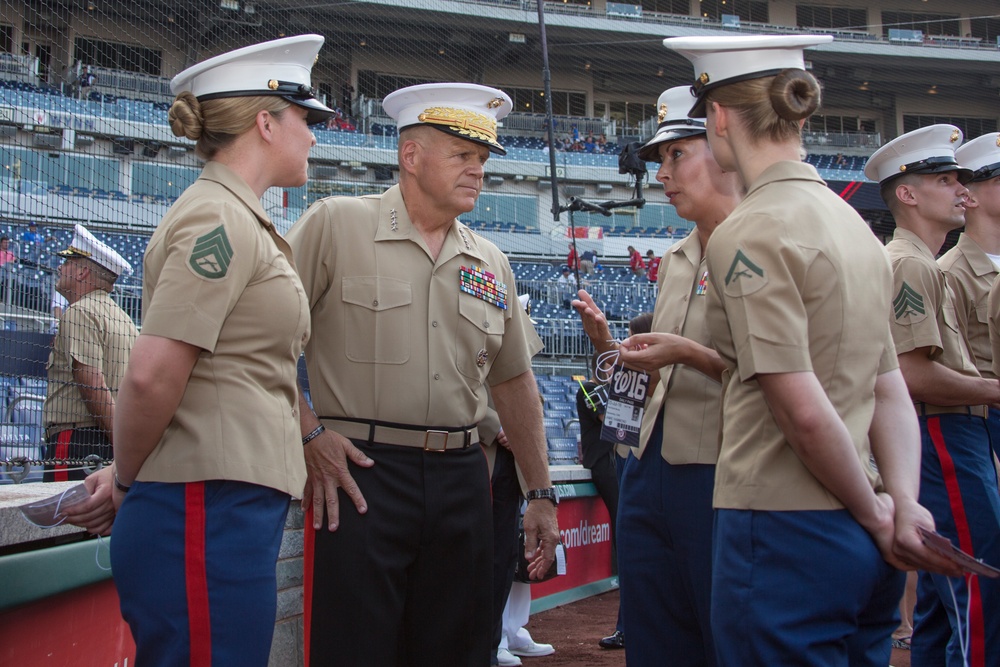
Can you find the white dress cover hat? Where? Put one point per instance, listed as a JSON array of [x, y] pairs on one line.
[[465, 110], [672, 110], [722, 60], [84, 244], [927, 150], [280, 67], [982, 156]]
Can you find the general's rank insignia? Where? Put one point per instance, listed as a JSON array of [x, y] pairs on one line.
[[702, 285], [908, 303], [482, 358], [483, 285], [212, 254]]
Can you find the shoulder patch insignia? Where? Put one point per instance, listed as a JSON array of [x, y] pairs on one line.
[[742, 267], [908, 303], [212, 254]]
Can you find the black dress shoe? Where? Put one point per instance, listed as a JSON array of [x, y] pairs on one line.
[[616, 640]]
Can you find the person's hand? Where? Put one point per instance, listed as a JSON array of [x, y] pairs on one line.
[[882, 529], [541, 534], [326, 462], [97, 513], [908, 544], [502, 439], [652, 351], [594, 323]]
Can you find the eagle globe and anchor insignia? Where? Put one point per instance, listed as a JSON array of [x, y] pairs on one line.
[[212, 254]]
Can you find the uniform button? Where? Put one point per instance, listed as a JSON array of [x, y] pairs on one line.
[[434, 323], [375, 303], [295, 412], [685, 298], [677, 330], [486, 324], [437, 376]]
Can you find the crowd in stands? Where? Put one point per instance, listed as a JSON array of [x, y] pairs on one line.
[[574, 143]]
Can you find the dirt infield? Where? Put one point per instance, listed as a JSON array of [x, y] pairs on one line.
[[575, 628]]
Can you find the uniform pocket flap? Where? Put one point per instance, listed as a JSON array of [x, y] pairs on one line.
[[376, 293]]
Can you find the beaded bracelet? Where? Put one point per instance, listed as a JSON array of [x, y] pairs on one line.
[[315, 433]]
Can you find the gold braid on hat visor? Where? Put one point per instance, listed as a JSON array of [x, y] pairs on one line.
[[75, 251], [467, 123]]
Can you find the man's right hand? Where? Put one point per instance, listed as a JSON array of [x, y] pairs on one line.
[[326, 462], [594, 322]]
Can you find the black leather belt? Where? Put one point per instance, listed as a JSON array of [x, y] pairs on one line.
[[428, 438], [52, 429]]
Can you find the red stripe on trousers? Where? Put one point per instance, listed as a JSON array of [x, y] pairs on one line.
[[62, 452], [977, 638], [308, 558], [195, 577]]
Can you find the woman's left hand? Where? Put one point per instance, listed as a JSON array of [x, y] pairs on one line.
[[908, 543], [96, 513]]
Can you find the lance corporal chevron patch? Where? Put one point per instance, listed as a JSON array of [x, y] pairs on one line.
[[212, 254], [744, 276]]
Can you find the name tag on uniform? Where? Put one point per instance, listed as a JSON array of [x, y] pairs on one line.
[[483, 285], [626, 403]]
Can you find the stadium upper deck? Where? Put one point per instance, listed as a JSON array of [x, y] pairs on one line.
[[110, 159]]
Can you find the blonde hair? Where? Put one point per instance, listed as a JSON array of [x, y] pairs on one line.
[[215, 123], [772, 106]]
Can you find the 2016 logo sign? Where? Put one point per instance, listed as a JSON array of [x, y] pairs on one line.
[[631, 384]]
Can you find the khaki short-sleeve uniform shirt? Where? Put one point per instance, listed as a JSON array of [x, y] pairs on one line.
[[397, 339], [219, 277], [970, 274], [923, 305], [95, 332], [993, 305], [689, 400], [798, 284]]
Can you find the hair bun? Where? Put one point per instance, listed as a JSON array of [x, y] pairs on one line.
[[795, 94], [185, 116]]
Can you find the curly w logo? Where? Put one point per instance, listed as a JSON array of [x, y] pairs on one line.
[[212, 254]]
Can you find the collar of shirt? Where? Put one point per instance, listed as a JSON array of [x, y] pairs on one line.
[[786, 170], [906, 235], [976, 256], [229, 179], [394, 224], [690, 246]]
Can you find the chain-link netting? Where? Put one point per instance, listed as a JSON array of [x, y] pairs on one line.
[[84, 92]]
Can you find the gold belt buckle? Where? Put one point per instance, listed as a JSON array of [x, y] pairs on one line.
[[428, 447]]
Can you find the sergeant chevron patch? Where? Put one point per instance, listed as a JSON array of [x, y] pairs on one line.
[[908, 303], [212, 254]]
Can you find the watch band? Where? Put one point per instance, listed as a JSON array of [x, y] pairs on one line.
[[549, 494]]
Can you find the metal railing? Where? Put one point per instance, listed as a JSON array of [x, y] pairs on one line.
[[131, 84]]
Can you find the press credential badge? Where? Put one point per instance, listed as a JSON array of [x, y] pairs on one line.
[[626, 401]]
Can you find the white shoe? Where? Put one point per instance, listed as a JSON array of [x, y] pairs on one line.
[[506, 659], [532, 650]]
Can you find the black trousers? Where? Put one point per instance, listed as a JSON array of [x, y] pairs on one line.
[[506, 503], [409, 583], [75, 444], [606, 481]]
